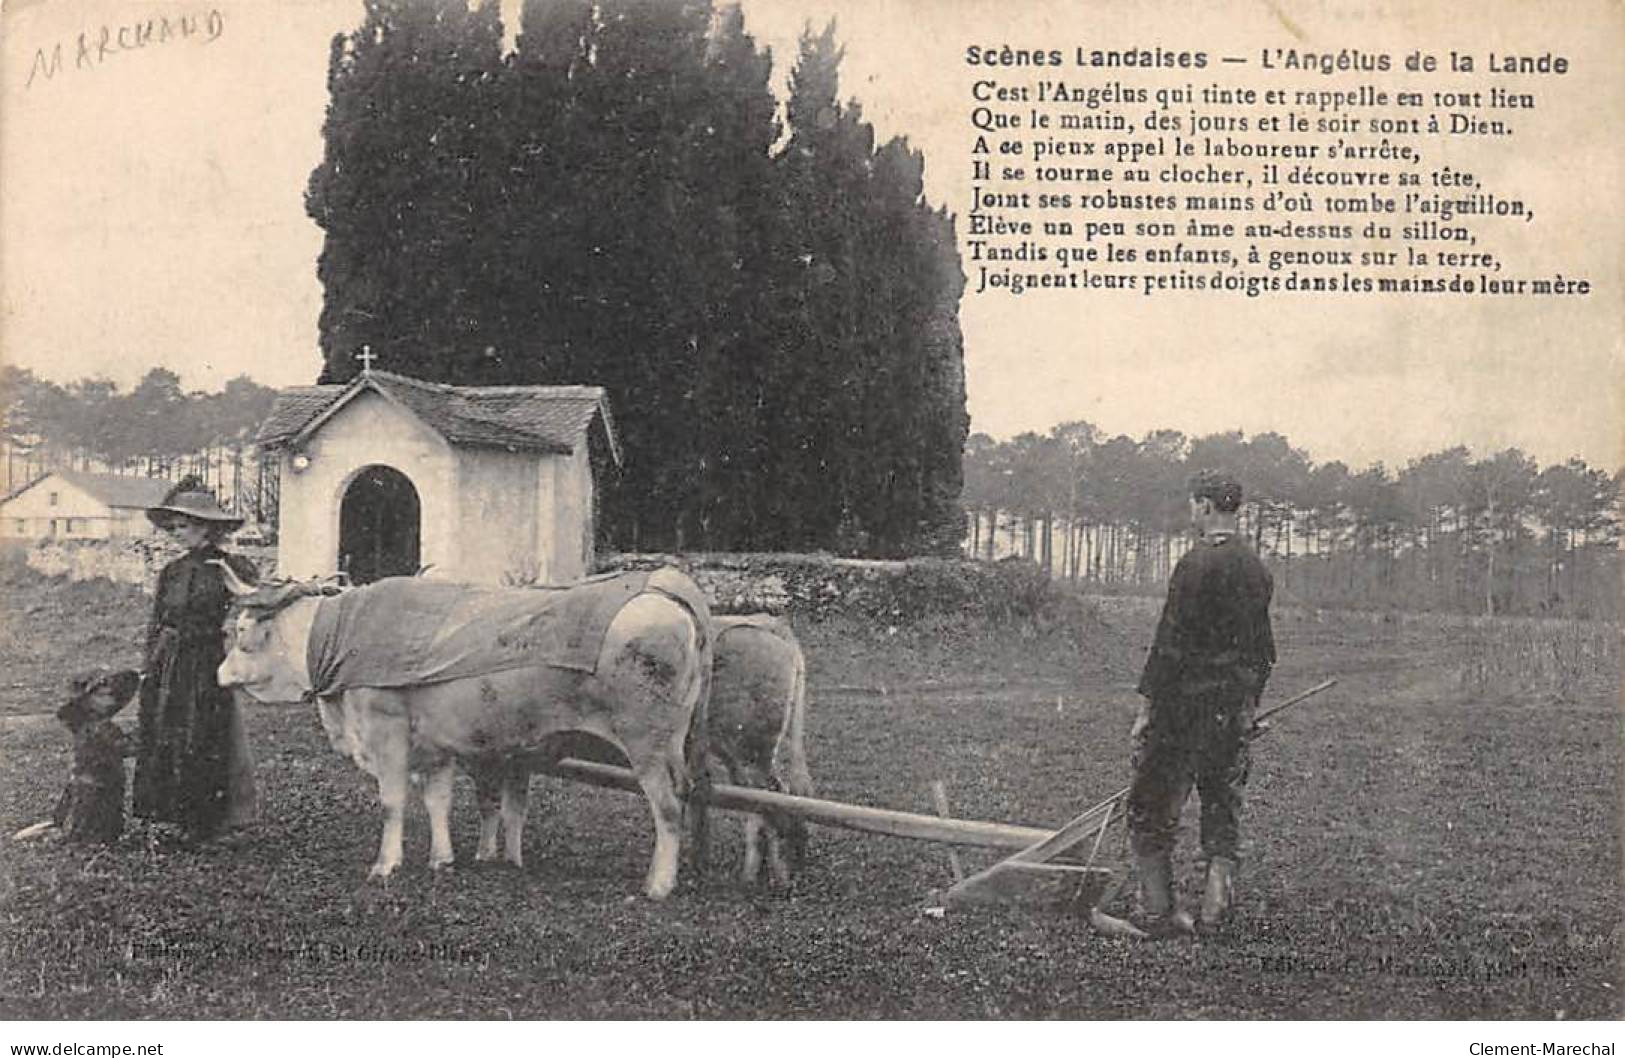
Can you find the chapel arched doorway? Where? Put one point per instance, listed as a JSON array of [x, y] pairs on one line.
[[380, 525]]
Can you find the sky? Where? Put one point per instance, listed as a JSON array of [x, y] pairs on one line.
[[151, 214]]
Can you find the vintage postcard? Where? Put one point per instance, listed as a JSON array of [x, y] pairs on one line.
[[941, 420]]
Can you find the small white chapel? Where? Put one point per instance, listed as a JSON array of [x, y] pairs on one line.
[[392, 476]]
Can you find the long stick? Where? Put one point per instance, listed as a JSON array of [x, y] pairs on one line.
[[1294, 700], [828, 813], [1030, 844]]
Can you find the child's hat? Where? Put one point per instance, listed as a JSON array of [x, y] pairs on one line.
[[124, 683]]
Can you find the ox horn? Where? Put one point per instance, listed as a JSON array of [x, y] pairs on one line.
[[234, 583]]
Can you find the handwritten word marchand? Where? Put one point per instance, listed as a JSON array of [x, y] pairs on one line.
[[94, 47]]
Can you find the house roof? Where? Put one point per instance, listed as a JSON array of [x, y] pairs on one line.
[[115, 490], [517, 418]]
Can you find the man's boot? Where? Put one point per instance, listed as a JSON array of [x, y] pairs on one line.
[[1221, 873], [1158, 917]]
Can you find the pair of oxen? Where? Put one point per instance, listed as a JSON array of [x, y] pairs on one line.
[[684, 697]]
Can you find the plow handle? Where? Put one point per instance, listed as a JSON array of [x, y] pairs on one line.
[[1258, 720]]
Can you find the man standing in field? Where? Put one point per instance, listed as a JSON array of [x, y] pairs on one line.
[[1211, 657]]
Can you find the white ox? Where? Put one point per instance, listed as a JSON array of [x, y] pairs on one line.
[[649, 687], [757, 739]]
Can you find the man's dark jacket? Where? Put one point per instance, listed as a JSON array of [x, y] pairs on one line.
[[1215, 626]]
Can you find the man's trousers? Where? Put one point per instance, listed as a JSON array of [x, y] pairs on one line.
[[1195, 737]]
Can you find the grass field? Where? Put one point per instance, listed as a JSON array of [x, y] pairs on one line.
[[1415, 848]]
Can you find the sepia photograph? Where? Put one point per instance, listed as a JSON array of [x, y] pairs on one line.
[[811, 510]]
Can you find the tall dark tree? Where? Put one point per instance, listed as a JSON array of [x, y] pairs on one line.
[[778, 333], [405, 191], [822, 175], [545, 285], [871, 409], [906, 360], [944, 422], [739, 218], [644, 134]]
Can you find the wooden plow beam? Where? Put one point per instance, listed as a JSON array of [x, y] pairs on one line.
[[1037, 871], [969, 832]]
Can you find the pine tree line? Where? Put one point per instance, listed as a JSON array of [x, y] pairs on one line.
[[157, 429], [1492, 535], [773, 308]]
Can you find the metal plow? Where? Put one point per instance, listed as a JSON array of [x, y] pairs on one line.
[[1044, 868]]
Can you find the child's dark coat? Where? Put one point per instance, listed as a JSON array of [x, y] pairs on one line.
[[91, 809]]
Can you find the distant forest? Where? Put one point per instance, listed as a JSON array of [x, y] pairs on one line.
[[1495, 534], [156, 429], [1449, 531]]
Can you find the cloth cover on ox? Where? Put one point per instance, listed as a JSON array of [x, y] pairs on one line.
[[408, 632]]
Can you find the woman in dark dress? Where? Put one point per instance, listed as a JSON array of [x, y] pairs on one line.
[[193, 765]]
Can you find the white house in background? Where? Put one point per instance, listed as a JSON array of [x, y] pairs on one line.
[[486, 484], [70, 505]]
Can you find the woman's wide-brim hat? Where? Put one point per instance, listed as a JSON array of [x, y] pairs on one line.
[[189, 499]]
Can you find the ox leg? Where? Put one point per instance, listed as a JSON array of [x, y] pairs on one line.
[[765, 841], [387, 738], [393, 782], [437, 801], [751, 867], [777, 864], [656, 779], [515, 803], [489, 792]]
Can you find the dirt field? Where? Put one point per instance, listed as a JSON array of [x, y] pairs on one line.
[[1413, 851]]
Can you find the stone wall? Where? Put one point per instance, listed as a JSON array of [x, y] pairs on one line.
[[822, 586], [134, 561], [815, 586]]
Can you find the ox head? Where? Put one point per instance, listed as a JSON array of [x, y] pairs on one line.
[[269, 637]]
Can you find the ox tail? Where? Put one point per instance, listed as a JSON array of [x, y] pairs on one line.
[[697, 749], [790, 772]]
